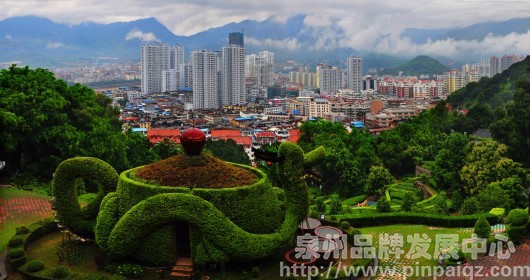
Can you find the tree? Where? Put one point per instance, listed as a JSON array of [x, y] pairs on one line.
[[513, 129], [378, 178], [139, 150], [320, 207], [448, 163], [390, 148], [470, 206], [482, 228], [166, 149], [383, 205], [408, 202], [335, 205], [228, 150], [486, 163], [43, 121], [440, 205], [493, 197], [348, 156]]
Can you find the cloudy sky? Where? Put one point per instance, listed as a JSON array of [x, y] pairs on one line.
[[369, 24]]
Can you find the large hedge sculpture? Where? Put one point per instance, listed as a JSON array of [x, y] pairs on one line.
[[239, 223], [81, 220]]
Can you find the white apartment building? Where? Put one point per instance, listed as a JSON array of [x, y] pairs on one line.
[[260, 67], [154, 59], [319, 108], [355, 73], [205, 66], [233, 75], [176, 56], [171, 80], [330, 79]]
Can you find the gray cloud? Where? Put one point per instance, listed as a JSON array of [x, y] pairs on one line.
[[360, 24]]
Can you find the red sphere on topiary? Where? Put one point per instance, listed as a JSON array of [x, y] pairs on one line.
[[192, 140]]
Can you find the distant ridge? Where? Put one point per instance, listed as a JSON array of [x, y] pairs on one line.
[[419, 65], [39, 41]]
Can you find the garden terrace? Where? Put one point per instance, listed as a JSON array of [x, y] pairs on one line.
[[203, 171]]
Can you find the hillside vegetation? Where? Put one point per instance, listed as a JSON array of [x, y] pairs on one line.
[[419, 65]]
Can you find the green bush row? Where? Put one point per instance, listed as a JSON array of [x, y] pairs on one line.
[[16, 255], [417, 218], [55, 273], [354, 200]]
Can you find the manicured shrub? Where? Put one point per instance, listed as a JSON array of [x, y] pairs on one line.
[[215, 236], [482, 228], [354, 200], [130, 270], [453, 262], [499, 212], [379, 219], [61, 272], [22, 230], [16, 253], [383, 205], [35, 266], [516, 233], [204, 171], [81, 220], [15, 242], [345, 225], [518, 217]]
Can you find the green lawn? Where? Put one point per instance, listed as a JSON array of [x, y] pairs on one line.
[[405, 230], [18, 208]]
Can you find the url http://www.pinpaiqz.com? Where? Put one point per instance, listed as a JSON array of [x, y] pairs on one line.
[[433, 272]]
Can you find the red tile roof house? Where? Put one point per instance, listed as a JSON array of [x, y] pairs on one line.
[[158, 135], [264, 137]]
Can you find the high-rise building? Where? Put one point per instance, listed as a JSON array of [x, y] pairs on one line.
[[330, 79], [233, 71], [171, 80], [236, 38], [494, 66], [355, 73], [176, 56], [154, 59], [205, 66], [507, 61], [259, 68]]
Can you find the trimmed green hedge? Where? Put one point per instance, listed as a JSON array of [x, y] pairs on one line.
[[352, 201], [16, 254], [221, 221], [79, 220], [417, 218], [47, 274]]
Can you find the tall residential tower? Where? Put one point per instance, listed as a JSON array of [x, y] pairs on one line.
[[154, 59], [355, 73], [233, 71]]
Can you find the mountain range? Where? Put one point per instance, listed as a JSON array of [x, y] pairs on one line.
[[38, 41]]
